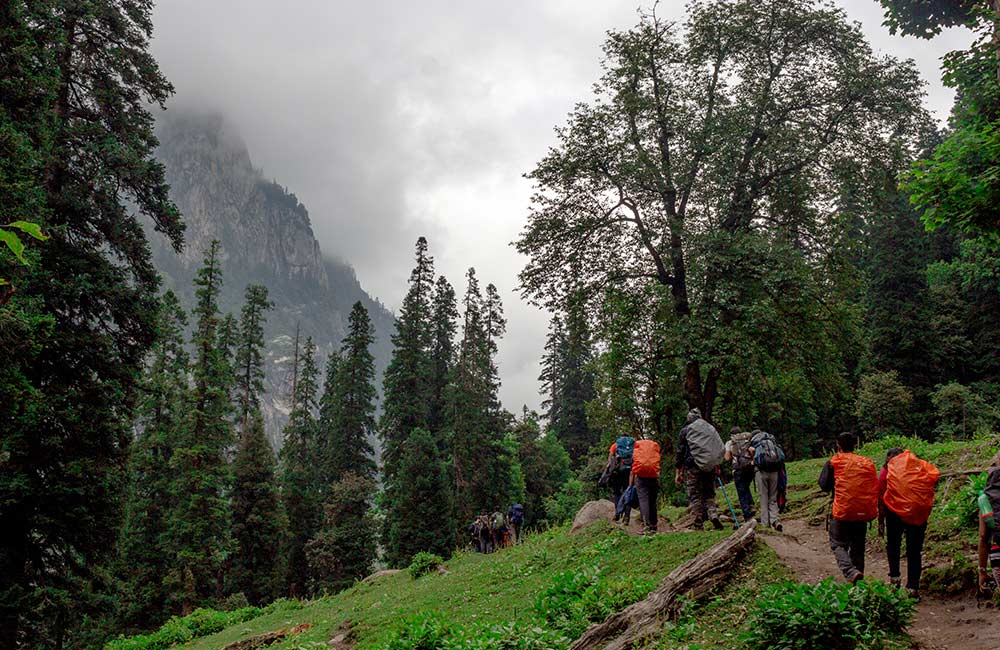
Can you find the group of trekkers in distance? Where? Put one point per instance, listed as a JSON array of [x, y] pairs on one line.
[[491, 532], [633, 469], [900, 496]]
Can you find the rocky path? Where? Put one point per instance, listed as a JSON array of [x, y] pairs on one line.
[[940, 624]]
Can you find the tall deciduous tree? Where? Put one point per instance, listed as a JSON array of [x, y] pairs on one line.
[[161, 415], [300, 465], [76, 156], [198, 526], [704, 167]]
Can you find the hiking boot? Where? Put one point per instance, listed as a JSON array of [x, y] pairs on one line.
[[914, 594], [857, 578], [896, 582], [716, 524], [778, 527]]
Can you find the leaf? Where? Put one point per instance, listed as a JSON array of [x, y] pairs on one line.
[[14, 244], [32, 229]]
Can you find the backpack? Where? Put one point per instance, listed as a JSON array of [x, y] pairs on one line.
[[624, 448], [992, 493], [909, 488], [517, 514], [705, 445], [740, 444], [855, 488], [646, 459], [767, 455]]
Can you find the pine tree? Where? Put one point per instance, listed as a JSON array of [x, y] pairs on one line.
[[551, 375], [258, 518], [300, 466], [425, 522], [344, 548], [198, 528], [405, 383], [76, 157], [160, 419], [250, 352], [326, 423], [444, 317], [354, 423], [575, 386]]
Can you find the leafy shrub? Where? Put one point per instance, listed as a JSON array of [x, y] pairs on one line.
[[564, 504], [962, 506], [424, 563], [423, 632], [181, 629], [434, 632], [577, 598], [829, 615]]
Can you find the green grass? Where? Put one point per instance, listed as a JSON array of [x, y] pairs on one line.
[[478, 589]]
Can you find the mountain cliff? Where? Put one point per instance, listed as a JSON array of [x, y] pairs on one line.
[[266, 238]]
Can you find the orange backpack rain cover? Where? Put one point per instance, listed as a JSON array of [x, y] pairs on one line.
[[909, 490], [855, 488], [646, 459]]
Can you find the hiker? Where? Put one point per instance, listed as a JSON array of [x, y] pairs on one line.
[[738, 453], [768, 460], [906, 495], [498, 528], [515, 519], [989, 529], [485, 533], [699, 453], [645, 476], [854, 483], [619, 473]]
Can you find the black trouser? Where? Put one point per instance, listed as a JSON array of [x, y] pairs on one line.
[[847, 540], [742, 478], [895, 528], [618, 483], [647, 490]]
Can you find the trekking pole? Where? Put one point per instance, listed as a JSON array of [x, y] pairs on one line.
[[732, 511]]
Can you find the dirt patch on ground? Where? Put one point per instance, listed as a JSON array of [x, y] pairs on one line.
[[939, 624]]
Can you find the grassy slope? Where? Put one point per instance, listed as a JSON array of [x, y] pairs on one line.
[[502, 588], [498, 588]]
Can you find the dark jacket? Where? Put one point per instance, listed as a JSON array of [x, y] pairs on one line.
[[826, 481], [684, 460]]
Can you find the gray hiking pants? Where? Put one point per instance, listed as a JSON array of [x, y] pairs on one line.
[[647, 490], [767, 491], [847, 539], [700, 488]]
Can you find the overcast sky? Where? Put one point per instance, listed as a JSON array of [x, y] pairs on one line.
[[391, 120]]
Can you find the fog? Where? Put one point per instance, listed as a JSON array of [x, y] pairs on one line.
[[391, 120]]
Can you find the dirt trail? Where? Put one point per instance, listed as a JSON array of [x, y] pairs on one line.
[[939, 624]]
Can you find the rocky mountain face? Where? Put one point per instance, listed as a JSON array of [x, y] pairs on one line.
[[266, 238]]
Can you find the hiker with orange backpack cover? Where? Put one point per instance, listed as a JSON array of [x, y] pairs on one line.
[[906, 495], [854, 483], [646, 478]]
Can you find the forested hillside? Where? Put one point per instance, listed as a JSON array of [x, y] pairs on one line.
[[266, 238]]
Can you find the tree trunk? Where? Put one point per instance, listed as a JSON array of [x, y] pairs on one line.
[[692, 580]]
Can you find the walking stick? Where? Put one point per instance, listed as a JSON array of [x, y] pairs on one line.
[[728, 502]]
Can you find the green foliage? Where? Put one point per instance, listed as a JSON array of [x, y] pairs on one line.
[[434, 632], [344, 548], [424, 563], [963, 507], [14, 243], [961, 412], [544, 463], [564, 504], [577, 598], [828, 615], [883, 403], [423, 632], [201, 622], [422, 514]]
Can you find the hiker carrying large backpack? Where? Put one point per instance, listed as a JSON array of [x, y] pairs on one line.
[[515, 517], [906, 495], [645, 477], [620, 471], [989, 528], [738, 452], [854, 483], [768, 460], [700, 452]]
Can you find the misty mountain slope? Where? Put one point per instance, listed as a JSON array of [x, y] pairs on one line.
[[266, 238]]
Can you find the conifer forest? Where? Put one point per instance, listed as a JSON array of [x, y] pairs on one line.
[[749, 209]]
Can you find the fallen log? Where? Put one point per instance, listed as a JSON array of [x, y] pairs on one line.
[[692, 580], [268, 638]]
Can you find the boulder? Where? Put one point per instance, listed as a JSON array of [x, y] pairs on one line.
[[592, 511], [266, 639], [379, 574]]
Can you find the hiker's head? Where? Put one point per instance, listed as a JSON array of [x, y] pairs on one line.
[[693, 414], [734, 431], [892, 453], [847, 441]]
